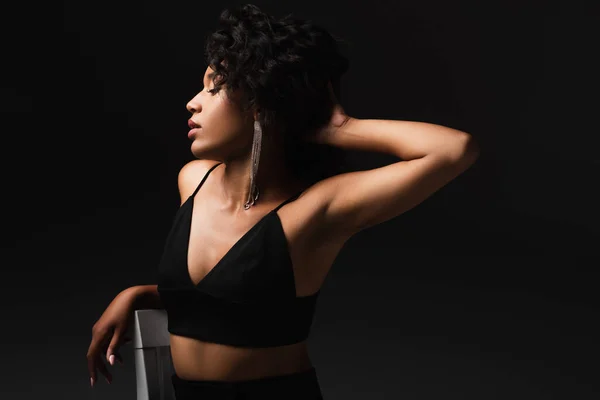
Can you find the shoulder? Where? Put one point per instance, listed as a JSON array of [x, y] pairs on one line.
[[190, 176]]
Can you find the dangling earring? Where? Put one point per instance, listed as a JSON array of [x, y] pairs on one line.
[[256, 146]]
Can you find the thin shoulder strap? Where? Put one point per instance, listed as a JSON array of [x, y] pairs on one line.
[[288, 200], [203, 179]]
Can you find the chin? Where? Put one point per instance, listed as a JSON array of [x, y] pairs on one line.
[[204, 152]]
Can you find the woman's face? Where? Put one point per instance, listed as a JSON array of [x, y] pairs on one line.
[[225, 131]]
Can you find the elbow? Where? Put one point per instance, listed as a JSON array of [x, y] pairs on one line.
[[463, 153], [461, 149], [471, 149], [468, 150]]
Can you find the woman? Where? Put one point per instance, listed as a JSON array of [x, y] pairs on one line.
[[258, 227]]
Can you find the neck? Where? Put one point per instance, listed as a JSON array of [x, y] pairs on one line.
[[273, 180]]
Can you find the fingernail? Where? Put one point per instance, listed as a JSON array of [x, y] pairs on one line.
[[112, 359], [92, 382]]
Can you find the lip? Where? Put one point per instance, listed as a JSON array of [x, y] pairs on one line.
[[193, 132], [192, 124]]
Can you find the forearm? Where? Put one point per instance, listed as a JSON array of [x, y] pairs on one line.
[[145, 297], [405, 139]]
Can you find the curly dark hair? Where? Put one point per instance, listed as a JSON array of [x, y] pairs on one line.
[[283, 67]]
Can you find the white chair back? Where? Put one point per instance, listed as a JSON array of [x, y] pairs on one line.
[[153, 363]]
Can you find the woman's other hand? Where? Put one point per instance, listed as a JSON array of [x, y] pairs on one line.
[[338, 119], [108, 334]]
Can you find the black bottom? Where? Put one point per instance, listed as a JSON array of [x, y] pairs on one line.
[[302, 385]]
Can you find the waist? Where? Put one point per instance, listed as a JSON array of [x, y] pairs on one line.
[[194, 359]]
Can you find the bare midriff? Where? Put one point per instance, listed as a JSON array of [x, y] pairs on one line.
[[194, 359]]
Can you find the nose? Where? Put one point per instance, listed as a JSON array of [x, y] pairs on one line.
[[193, 106]]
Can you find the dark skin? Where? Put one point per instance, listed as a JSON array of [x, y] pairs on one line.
[[224, 221], [222, 200], [316, 225]]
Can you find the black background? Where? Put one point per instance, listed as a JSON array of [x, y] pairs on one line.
[[485, 290]]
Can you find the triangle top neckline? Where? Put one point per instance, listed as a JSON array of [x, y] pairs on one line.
[[238, 243]]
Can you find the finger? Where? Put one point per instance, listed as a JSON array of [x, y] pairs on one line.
[[113, 346], [95, 361], [104, 370], [92, 355], [115, 357], [92, 369], [119, 358]]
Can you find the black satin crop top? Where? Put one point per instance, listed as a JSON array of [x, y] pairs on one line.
[[248, 299]]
